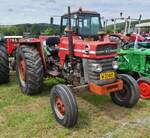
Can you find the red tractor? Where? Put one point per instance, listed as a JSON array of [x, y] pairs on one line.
[[12, 42], [4, 63], [82, 57]]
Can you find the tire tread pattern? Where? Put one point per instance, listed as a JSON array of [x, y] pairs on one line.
[[65, 93], [4, 63], [34, 69]]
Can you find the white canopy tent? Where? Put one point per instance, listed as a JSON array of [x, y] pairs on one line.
[[143, 25], [13, 37], [139, 27]]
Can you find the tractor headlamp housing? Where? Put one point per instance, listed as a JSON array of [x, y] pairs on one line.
[[115, 65], [96, 68]]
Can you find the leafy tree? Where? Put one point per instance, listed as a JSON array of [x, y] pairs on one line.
[[33, 29], [12, 30], [49, 31]]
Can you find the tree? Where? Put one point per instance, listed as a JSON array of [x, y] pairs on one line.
[[35, 29], [49, 31], [12, 30]]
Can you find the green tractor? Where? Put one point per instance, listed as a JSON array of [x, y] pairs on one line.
[[4, 62], [134, 59]]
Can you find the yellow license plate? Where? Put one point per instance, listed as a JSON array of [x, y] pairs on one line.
[[107, 75]]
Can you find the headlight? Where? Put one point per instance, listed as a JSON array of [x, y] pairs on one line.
[[96, 68], [115, 65]]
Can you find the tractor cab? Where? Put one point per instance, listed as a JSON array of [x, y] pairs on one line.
[[85, 24], [81, 34]]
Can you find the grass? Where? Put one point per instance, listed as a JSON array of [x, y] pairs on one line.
[[22, 116]]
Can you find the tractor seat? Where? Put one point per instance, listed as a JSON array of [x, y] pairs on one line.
[[51, 42]]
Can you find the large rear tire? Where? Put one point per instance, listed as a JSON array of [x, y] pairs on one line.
[[130, 94], [29, 69], [144, 85], [4, 64], [64, 105]]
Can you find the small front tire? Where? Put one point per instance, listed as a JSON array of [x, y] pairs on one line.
[[64, 105]]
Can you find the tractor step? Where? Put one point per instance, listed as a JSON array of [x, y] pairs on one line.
[[79, 89]]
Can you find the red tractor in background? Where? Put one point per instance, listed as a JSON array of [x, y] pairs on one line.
[[129, 34], [82, 57], [11, 43]]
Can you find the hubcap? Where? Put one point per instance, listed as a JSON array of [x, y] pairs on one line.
[[22, 71], [144, 89], [59, 107]]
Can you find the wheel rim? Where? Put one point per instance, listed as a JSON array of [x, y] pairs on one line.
[[59, 107], [144, 89], [22, 71]]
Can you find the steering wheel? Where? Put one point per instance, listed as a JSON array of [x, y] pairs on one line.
[[121, 43], [126, 46]]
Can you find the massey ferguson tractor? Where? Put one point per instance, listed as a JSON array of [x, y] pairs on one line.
[[4, 63], [82, 56]]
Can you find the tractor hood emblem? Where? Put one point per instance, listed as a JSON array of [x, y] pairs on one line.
[[107, 50]]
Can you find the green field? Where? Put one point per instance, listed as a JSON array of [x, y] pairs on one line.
[[31, 117]]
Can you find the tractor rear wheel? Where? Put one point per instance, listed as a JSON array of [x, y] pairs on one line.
[[29, 69], [144, 85], [130, 94], [64, 105], [4, 64]]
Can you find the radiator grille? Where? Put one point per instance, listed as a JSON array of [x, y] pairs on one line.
[[106, 49], [106, 66]]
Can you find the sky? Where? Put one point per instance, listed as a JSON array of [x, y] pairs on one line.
[[39, 11]]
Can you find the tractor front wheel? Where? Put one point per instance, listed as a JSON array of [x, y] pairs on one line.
[[144, 85], [130, 94], [64, 105], [29, 69], [4, 64]]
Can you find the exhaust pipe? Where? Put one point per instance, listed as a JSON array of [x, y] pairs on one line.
[[70, 39]]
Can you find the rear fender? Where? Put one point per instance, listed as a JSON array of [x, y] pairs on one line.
[[39, 47]]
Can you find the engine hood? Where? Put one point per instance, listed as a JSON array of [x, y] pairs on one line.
[[90, 49]]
